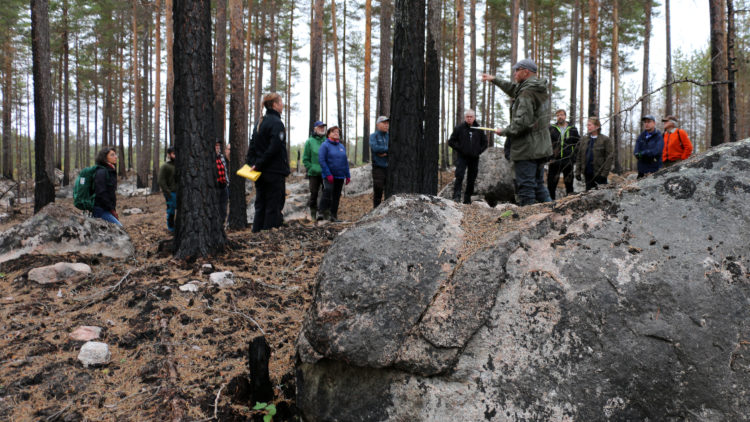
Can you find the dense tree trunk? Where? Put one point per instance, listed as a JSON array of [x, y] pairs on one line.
[[593, 57], [290, 56], [574, 61], [668, 104], [237, 118], [646, 104], [515, 9], [79, 129], [66, 91], [366, 87], [431, 142], [273, 49], [169, 29], [730, 72], [44, 183], [248, 46], [473, 68], [386, 56], [157, 103], [409, 159], [718, 72], [259, 66], [616, 83], [7, 105], [137, 112], [460, 58], [336, 64], [220, 70], [199, 231], [316, 62]]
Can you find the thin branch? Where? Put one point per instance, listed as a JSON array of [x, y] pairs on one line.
[[235, 312], [104, 294], [216, 402]]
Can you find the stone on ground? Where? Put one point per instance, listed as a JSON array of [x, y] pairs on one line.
[[86, 333], [94, 353], [60, 272]]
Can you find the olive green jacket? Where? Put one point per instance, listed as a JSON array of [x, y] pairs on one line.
[[604, 155], [528, 131], [167, 178]]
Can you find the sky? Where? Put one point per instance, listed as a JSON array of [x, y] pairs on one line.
[[690, 32]]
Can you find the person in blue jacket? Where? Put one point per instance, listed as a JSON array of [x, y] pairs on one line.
[[334, 166], [379, 148], [648, 147]]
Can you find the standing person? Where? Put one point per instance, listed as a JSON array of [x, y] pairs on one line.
[[222, 182], [596, 154], [168, 185], [677, 145], [528, 133], [334, 166], [379, 147], [267, 154], [468, 144], [105, 186], [648, 147], [310, 160], [564, 138]]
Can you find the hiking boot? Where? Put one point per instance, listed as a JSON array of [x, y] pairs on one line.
[[325, 215], [313, 214]]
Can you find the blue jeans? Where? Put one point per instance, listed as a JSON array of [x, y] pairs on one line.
[[171, 209], [530, 182], [106, 216]]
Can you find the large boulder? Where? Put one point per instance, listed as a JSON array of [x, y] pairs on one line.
[[295, 204], [495, 179], [57, 229], [361, 181], [624, 303]]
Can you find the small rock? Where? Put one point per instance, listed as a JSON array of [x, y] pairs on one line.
[[62, 271], [197, 348], [207, 268], [189, 287], [59, 293], [86, 333], [110, 323], [222, 279], [132, 211], [94, 353]]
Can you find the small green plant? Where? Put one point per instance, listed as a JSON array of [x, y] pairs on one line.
[[268, 409], [506, 214], [2, 275]]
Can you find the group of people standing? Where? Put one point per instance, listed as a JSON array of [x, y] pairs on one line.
[[327, 167]]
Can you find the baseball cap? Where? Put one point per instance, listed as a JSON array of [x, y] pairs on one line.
[[672, 118], [382, 119], [648, 117], [525, 64], [318, 123]]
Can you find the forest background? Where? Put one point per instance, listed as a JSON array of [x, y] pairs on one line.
[[112, 76]]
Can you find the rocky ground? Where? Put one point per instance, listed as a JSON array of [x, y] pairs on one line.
[[173, 353]]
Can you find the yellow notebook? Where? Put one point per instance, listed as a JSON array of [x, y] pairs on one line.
[[248, 173]]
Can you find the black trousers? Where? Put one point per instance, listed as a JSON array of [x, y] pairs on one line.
[[593, 182], [223, 200], [564, 166], [462, 163], [269, 201], [379, 178], [331, 196], [316, 182]]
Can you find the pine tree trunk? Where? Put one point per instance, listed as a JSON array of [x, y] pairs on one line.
[[169, 29], [410, 160], [7, 105], [336, 64], [646, 104], [731, 69], [576, 13], [316, 62], [273, 49], [386, 56], [460, 58], [66, 90], [345, 127], [431, 143], [593, 56], [366, 87], [616, 77], [237, 118], [136, 93], [290, 56], [259, 66], [199, 231], [247, 48], [220, 70], [717, 72], [121, 164], [44, 178], [79, 129], [157, 103], [669, 100]]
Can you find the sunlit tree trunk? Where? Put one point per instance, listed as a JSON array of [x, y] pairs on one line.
[[460, 57], [157, 103], [646, 104], [593, 57], [237, 118], [386, 54], [336, 64], [718, 71], [366, 88]]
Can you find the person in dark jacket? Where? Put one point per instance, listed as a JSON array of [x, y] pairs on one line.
[[310, 160], [222, 182], [469, 144], [595, 156], [379, 147], [168, 185], [334, 166], [648, 147], [105, 186], [267, 154], [564, 139]]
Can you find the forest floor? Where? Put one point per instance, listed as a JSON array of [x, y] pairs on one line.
[[175, 354]]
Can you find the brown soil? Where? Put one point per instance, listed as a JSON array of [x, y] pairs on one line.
[[172, 351]]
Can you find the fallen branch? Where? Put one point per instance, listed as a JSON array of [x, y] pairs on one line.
[[216, 402], [58, 414], [238, 313], [103, 294]]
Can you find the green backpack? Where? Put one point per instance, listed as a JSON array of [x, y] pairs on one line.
[[83, 189]]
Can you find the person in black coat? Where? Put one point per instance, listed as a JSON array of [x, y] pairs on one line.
[[564, 138], [267, 154], [468, 144], [105, 186]]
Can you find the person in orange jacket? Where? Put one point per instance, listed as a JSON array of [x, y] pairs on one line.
[[677, 145]]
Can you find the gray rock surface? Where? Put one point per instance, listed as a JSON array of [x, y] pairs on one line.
[[494, 182], [58, 229], [626, 303], [361, 181], [62, 271], [94, 353], [222, 279]]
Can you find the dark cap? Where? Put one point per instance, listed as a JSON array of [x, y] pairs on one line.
[[318, 123], [672, 118], [525, 64], [648, 117], [170, 150]]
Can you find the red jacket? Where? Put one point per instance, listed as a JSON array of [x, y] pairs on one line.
[[677, 146]]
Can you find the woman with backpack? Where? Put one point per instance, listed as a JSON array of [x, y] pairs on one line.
[[105, 186]]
